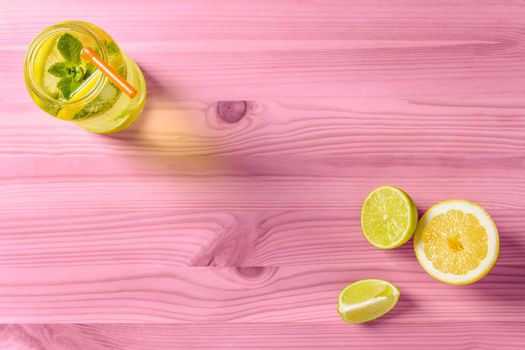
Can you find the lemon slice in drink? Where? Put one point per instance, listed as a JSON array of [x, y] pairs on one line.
[[367, 300], [457, 242], [47, 55], [388, 217]]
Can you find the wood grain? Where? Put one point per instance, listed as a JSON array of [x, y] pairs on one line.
[[233, 50], [446, 335], [370, 128], [211, 238], [228, 216], [265, 294]]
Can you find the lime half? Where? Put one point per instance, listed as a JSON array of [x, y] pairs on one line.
[[367, 300], [388, 217]]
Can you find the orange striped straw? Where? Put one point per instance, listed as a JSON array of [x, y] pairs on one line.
[[90, 55]]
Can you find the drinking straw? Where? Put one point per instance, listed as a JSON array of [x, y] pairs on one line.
[[90, 55]]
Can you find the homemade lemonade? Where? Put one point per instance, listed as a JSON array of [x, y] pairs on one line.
[[65, 83]]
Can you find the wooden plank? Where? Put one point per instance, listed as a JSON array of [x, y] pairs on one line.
[[234, 50], [130, 194], [201, 238], [415, 129], [446, 335], [305, 294]]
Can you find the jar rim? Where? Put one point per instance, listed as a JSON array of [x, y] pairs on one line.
[[69, 26]]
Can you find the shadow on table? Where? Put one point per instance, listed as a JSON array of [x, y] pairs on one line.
[[169, 130], [506, 281], [157, 94]]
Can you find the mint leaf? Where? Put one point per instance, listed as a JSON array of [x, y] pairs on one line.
[[67, 86], [79, 74], [112, 48], [59, 69], [64, 85], [90, 69], [70, 47], [70, 71]]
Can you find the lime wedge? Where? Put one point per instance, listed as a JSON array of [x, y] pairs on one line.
[[388, 217], [367, 300]]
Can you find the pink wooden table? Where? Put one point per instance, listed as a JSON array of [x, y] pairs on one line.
[[228, 217]]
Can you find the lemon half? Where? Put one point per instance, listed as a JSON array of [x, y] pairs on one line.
[[456, 242]]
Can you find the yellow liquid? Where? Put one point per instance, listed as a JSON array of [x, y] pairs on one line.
[[96, 105]]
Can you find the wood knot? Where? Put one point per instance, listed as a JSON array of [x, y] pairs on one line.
[[231, 111], [251, 271]]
